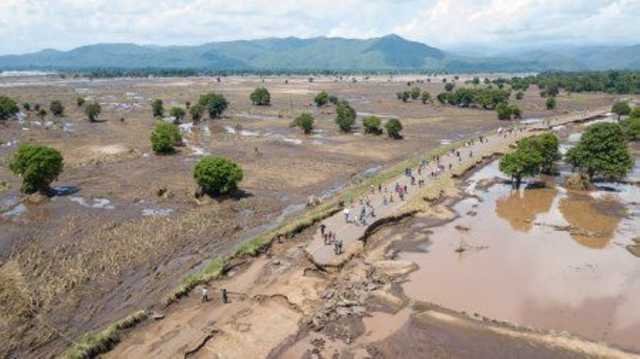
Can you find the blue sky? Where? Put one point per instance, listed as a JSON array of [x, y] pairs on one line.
[[30, 25]]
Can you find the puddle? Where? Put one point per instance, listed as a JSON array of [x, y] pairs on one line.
[[65, 190], [98, 203]]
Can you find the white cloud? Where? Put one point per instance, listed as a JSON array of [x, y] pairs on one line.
[[28, 25]]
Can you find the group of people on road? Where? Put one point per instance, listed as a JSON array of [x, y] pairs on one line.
[[329, 238], [224, 293]]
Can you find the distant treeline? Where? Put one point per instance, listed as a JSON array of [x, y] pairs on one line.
[[615, 82]]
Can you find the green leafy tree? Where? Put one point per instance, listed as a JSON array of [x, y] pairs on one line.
[[260, 97], [631, 127], [80, 101], [415, 93], [548, 147], [516, 112], [217, 175], [92, 111], [333, 99], [449, 86], [525, 161], [602, 152], [426, 97], [164, 138], [504, 111], [37, 165], [393, 127], [345, 116], [635, 113], [372, 125], [621, 108], [405, 96], [157, 106], [305, 122], [476, 81], [321, 99], [519, 95], [56, 108], [42, 113], [215, 104], [178, 113], [8, 108], [26, 106], [196, 112], [551, 103]]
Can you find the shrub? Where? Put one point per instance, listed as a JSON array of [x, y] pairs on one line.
[[519, 95], [26, 106], [631, 127], [305, 122], [42, 113], [516, 112], [217, 175], [260, 97], [333, 99], [426, 97], [345, 116], [196, 112], [415, 93], [38, 166], [8, 108], [551, 103], [157, 107], [92, 111], [449, 86], [504, 111], [178, 113], [80, 101], [215, 104], [56, 108], [164, 138], [393, 127], [321, 99], [372, 125]]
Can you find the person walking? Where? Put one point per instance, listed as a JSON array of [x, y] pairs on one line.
[[205, 295], [346, 215], [225, 296]]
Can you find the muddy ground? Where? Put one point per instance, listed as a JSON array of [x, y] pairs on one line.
[[125, 226]]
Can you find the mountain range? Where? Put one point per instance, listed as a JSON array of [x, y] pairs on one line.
[[389, 53]]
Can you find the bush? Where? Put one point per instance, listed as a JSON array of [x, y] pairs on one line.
[[157, 107], [551, 103], [504, 111], [516, 112], [56, 108], [178, 113], [415, 93], [372, 125], [215, 104], [519, 95], [631, 127], [26, 106], [80, 101], [321, 99], [164, 138], [217, 175], [449, 87], [621, 108], [8, 108], [38, 166], [93, 111], [196, 112], [305, 122], [333, 99], [345, 116], [260, 97], [393, 127], [426, 97]]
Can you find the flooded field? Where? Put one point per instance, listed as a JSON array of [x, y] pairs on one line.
[[545, 258]]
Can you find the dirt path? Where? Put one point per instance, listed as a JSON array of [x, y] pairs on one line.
[[277, 299]]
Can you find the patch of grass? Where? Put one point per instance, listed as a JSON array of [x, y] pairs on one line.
[[93, 344], [212, 270]]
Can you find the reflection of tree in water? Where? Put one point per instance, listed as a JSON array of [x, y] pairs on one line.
[[520, 208], [593, 222]]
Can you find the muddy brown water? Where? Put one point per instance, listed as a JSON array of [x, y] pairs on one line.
[[544, 258]]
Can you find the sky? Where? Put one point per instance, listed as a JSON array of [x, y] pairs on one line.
[[31, 25]]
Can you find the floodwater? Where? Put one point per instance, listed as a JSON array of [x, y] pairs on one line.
[[545, 258]]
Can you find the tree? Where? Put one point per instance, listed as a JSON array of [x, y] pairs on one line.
[[38, 166], [449, 86], [631, 127], [345, 116], [8, 108], [519, 95], [196, 112], [621, 108], [516, 112], [178, 113], [215, 104], [333, 99], [56, 108], [426, 97], [217, 175], [305, 122], [602, 152], [476, 81], [260, 97], [504, 111], [548, 148], [415, 93], [164, 138], [405, 95], [157, 107], [26, 106], [92, 111], [393, 127], [525, 161], [371, 125], [551, 103], [80, 101], [321, 99], [42, 113]]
